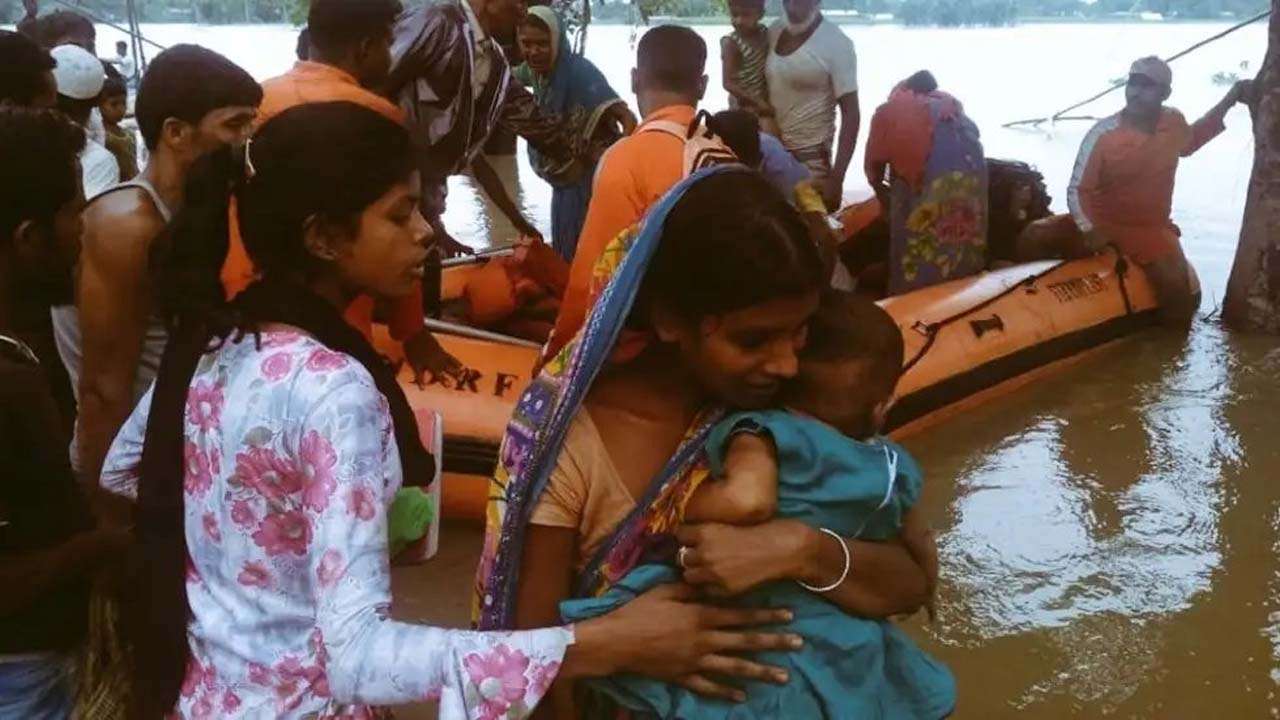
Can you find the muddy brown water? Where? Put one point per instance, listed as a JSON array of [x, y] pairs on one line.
[[1107, 535]]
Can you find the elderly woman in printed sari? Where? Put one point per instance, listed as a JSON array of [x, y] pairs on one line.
[[570, 86], [926, 164], [700, 309]]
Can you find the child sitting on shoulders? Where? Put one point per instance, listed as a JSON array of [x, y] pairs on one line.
[[820, 461], [743, 56], [122, 143]]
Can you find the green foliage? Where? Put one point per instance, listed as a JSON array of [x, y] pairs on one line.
[[234, 11], [207, 11], [952, 13], [649, 8], [955, 13]]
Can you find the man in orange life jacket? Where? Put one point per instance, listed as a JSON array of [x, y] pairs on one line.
[[1121, 191], [637, 171], [349, 50]]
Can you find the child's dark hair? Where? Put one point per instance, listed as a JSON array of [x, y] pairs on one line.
[[730, 243], [41, 171], [850, 327], [740, 130], [672, 58], [757, 5], [167, 90], [23, 65], [113, 87]]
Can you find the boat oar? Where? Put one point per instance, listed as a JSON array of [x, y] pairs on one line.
[[1062, 114]]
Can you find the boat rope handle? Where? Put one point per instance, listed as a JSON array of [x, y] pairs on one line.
[[982, 327], [1122, 274], [931, 330]]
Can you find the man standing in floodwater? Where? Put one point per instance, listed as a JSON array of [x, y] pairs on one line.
[[813, 69], [669, 81], [1121, 191]]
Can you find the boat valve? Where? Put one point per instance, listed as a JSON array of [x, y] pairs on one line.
[[982, 327]]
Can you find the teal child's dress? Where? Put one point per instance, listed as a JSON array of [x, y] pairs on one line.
[[850, 667]]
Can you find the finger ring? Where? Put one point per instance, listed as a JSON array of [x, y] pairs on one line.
[[682, 557]]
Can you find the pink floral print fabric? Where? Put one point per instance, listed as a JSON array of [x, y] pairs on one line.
[[290, 466]]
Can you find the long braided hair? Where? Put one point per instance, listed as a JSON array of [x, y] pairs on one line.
[[322, 162]]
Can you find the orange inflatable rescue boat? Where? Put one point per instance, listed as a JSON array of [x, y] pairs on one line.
[[965, 340]]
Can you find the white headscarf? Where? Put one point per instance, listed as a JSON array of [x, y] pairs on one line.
[[548, 17]]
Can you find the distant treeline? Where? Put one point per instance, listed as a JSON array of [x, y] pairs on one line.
[[952, 13], [210, 11], [946, 13], [955, 13]]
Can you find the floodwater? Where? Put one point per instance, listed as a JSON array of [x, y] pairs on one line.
[[1109, 534]]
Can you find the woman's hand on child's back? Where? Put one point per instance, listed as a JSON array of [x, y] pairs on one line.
[[881, 579], [727, 560], [665, 634]]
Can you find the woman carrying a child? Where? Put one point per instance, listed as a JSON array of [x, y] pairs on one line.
[[700, 311], [572, 87]]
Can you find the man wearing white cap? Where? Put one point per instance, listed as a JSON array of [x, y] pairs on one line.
[[1121, 191], [80, 77]]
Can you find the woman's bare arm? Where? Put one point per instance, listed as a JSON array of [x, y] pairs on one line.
[[919, 540], [546, 579], [748, 492], [487, 178], [883, 580]]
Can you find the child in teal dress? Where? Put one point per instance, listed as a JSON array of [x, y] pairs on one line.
[[821, 462]]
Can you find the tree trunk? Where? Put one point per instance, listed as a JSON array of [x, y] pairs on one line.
[[1253, 292]]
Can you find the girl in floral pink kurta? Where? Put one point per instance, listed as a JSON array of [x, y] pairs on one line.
[[286, 491]]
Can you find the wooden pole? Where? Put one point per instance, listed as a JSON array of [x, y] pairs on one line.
[[1253, 292], [135, 39]]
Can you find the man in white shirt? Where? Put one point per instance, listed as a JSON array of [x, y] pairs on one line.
[[128, 68], [812, 70], [79, 76]]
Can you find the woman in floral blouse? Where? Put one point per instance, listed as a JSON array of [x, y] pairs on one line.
[[265, 457]]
